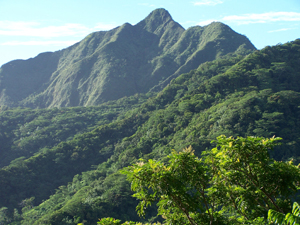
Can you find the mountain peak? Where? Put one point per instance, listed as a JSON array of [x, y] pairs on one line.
[[159, 14], [155, 19], [109, 65]]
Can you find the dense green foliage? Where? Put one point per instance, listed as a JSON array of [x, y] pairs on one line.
[[24, 132], [76, 181], [109, 65], [235, 183], [290, 218]]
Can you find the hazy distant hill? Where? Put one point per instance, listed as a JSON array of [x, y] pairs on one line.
[[108, 65]]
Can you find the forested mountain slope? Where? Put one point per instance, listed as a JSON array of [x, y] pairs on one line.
[[25, 131], [109, 65], [77, 180]]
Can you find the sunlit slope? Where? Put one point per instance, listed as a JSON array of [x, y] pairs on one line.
[[108, 65]]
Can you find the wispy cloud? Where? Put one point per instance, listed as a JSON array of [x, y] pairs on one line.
[[280, 30], [35, 29], [263, 17], [53, 43], [208, 2], [268, 17], [49, 35]]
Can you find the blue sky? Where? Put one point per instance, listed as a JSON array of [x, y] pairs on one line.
[[30, 27]]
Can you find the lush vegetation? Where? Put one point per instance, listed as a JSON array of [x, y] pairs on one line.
[[25, 131], [290, 218], [77, 180], [236, 182]]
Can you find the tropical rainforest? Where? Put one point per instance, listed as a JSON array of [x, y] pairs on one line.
[[214, 140]]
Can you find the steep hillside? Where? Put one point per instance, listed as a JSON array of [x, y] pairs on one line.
[[24, 132], [77, 180], [109, 65]]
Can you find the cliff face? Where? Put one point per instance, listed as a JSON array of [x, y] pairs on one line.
[[112, 64]]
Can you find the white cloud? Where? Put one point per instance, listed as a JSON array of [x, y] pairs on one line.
[[208, 2], [53, 43], [263, 17], [279, 30], [46, 35], [34, 29], [9, 25], [257, 18]]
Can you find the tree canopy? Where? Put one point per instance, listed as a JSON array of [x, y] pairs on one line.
[[237, 182]]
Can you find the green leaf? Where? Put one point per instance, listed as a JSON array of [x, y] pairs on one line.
[[276, 217]]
